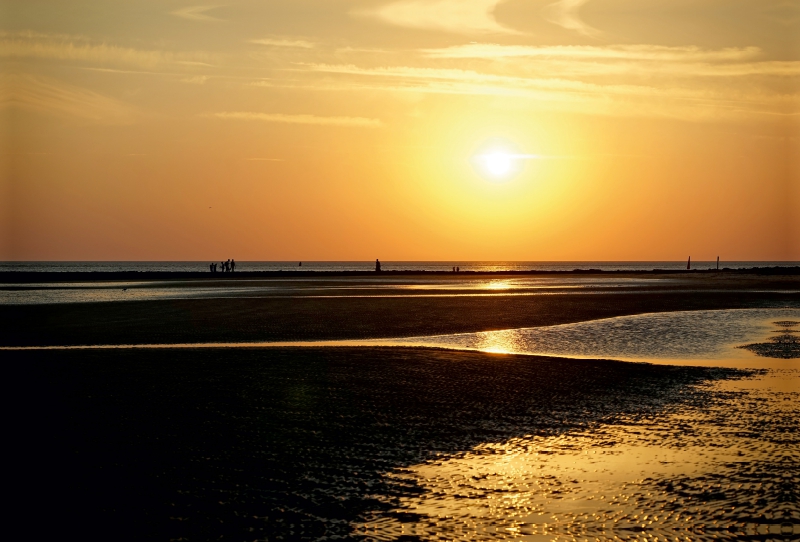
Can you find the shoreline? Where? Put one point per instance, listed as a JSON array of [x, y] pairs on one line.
[[79, 276]]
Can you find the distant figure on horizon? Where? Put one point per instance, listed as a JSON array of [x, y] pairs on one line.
[[377, 265], [458, 269], [717, 263], [211, 267], [454, 269], [222, 265], [300, 264], [689, 263], [233, 265]]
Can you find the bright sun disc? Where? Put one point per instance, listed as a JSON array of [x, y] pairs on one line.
[[498, 163]]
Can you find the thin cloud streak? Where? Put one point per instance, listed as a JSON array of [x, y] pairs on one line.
[[608, 52], [456, 16], [469, 76], [196, 13], [564, 13], [49, 96], [696, 102], [300, 119], [637, 60], [301, 44], [54, 48]]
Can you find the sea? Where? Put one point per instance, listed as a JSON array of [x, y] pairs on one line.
[[188, 266]]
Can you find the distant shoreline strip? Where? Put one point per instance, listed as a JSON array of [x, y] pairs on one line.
[[42, 276]]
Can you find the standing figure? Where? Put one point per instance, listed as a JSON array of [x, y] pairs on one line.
[[689, 263], [233, 265], [222, 265], [377, 266], [211, 267]]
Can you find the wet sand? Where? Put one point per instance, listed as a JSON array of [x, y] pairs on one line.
[[300, 443], [392, 443], [385, 309]]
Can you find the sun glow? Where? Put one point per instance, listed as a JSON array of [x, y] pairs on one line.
[[497, 164], [499, 161]]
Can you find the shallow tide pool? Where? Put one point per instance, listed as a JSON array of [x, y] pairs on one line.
[[713, 338]]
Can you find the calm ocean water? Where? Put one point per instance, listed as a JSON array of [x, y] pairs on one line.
[[385, 265]]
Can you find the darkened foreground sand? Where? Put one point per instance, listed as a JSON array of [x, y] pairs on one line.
[[253, 444], [409, 313]]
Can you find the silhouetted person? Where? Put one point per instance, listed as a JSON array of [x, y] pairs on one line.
[[377, 265], [454, 269], [458, 270], [689, 263], [211, 267], [300, 264], [233, 265], [222, 265]]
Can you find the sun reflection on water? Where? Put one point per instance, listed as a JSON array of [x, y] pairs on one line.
[[689, 338]]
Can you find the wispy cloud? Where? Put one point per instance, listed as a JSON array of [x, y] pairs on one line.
[[300, 119], [196, 13], [474, 82], [637, 60], [692, 99], [302, 44], [608, 52], [565, 13], [50, 96], [458, 16], [196, 80], [68, 48]]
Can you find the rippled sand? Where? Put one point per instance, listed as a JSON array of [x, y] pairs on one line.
[[724, 467], [371, 443], [404, 443]]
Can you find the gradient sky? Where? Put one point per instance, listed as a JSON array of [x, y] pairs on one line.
[[347, 129]]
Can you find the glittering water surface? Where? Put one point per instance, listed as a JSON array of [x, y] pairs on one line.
[[692, 337], [725, 467], [115, 291]]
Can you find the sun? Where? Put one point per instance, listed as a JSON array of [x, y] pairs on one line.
[[498, 162]]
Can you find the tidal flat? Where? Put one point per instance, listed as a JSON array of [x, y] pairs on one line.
[[394, 443], [387, 443]]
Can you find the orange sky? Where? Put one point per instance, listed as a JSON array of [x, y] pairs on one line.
[[349, 130]]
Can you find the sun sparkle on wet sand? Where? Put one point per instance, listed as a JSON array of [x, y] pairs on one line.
[[392, 443]]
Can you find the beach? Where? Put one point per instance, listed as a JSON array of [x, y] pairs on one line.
[[314, 308], [379, 443]]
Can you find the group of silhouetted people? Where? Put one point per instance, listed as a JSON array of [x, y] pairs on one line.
[[225, 267]]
